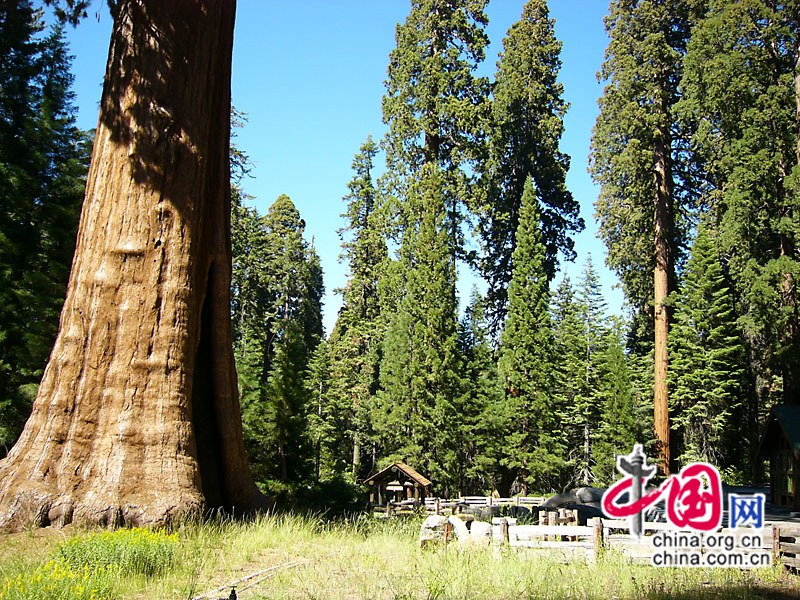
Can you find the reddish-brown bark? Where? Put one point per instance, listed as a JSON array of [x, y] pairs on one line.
[[663, 217], [137, 418]]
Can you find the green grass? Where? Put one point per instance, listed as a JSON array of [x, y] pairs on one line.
[[130, 551], [310, 558]]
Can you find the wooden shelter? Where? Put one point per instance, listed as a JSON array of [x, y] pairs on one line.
[[397, 483], [781, 444]]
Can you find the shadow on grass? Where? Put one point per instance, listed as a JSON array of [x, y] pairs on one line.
[[765, 592]]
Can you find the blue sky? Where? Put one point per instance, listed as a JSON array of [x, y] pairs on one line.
[[309, 74]]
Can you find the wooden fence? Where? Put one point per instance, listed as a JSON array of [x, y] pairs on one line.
[[571, 542], [786, 545], [556, 531], [443, 506]]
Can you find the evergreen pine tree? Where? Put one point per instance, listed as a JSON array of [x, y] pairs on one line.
[[535, 447], [419, 371], [708, 358], [637, 158], [356, 338], [479, 438], [432, 107], [277, 292], [742, 88], [569, 369], [526, 124], [43, 163], [625, 415], [322, 426]]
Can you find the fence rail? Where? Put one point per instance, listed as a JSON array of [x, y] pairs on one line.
[[786, 545], [557, 531], [439, 506], [599, 535]]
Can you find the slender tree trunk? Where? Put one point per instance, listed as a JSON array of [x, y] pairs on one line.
[[790, 336], [791, 370], [137, 418], [587, 454], [356, 455], [662, 278], [797, 103]]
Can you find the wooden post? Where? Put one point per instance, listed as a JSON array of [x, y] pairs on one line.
[[597, 538], [504, 531], [776, 543], [438, 506]]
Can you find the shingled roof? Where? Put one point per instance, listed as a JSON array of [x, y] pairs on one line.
[[400, 467], [784, 418]]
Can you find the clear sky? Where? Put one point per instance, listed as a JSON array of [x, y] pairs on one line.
[[309, 74]]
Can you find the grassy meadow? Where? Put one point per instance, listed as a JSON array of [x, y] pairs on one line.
[[306, 557]]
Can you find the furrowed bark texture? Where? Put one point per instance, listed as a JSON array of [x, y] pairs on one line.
[[137, 419]]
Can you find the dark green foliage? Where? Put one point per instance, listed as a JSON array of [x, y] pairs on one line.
[[43, 163], [433, 101], [741, 99], [276, 307], [625, 410], [433, 106], [708, 361], [580, 338], [642, 72], [479, 437], [415, 417], [357, 336], [526, 124], [569, 373], [534, 452]]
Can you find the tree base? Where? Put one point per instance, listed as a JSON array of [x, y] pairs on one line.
[[30, 509]]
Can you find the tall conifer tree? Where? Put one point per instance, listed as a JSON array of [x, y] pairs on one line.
[[356, 338], [526, 124], [708, 359], [479, 437], [587, 412], [535, 446], [625, 412], [742, 84], [570, 372], [636, 159], [43, 163], [432, 106], [278, 289], [419, 371]]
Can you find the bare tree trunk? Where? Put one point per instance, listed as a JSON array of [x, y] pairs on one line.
[[356, 455], [662, 278], [791, 368], [137, 418]]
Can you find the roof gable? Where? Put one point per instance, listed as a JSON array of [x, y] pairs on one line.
[[784, 419], [402, 468]]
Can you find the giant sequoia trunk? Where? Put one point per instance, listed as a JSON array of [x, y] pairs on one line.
[[137, 418]]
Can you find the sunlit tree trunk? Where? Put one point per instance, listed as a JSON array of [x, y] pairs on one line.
[[663, 276], [663, 218], [137, 418]]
